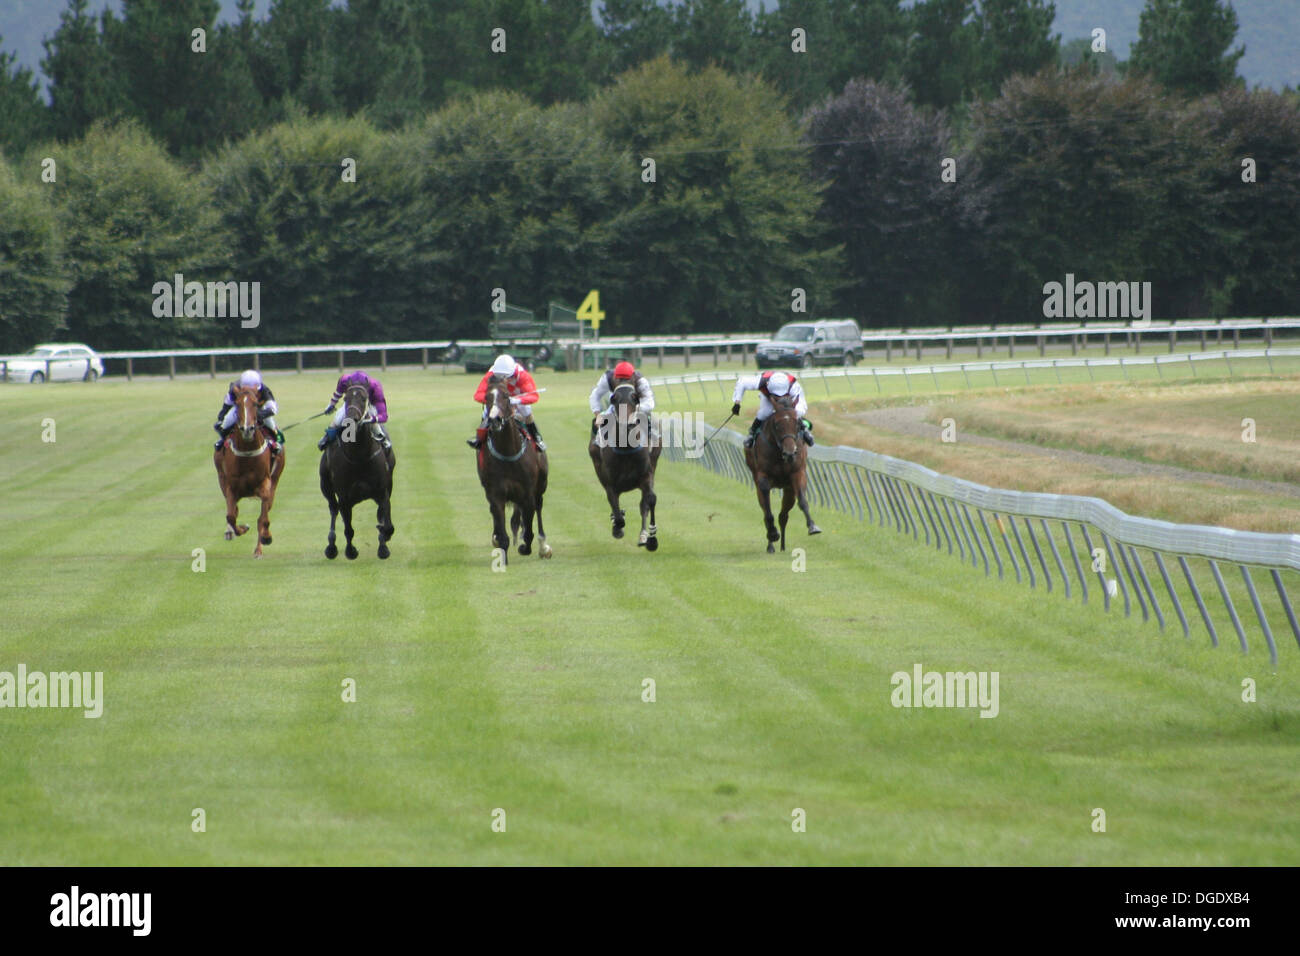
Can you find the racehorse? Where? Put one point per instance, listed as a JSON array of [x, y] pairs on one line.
[[355, 467], [778, 459], [625, 455], [246, 468], [511, 469]]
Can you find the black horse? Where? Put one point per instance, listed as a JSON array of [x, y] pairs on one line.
[[625, 454], [355, 467]]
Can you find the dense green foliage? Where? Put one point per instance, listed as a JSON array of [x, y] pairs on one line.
[[526, 168]]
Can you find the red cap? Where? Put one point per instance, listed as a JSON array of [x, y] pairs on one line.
[[624, 370]]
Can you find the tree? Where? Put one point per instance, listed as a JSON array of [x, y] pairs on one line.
[[1184, 45], [845, 39], [885, 202], [23, 116], [511, 195], [34, 279], [132, 217], [85, 84], [1256, 270], [169, 86], [940, 52], [727, 228], [635, 31], [1013, 36], [1106, 180]]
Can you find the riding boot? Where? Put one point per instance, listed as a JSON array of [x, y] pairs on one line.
[[477, 440], [537, 439], [221, 434], [753, 433], [806, 431], [331, 433]]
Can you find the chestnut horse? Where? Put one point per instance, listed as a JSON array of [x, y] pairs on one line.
[[511, 469], [246, 468], [778, 459], [625, 453]]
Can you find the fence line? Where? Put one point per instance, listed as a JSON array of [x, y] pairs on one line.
[[953, 513], [908, 372], [686, 345]]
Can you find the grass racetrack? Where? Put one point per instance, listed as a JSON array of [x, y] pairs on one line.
[[522, 690]]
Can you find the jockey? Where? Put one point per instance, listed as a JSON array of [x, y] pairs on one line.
[[266, 409], [523, 393], [620, 374], [769, 385], [376, 415]]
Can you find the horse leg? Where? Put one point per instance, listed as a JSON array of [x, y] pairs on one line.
[[514, 525], [803, 504], [385, 526], [327, 489], [527, 517], [544, 550], [499, 538], [765, 502], [267, 494], [615, 512], [349, 549], [787, 502], [647, 511]]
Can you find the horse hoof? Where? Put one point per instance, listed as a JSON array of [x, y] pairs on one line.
[[332, 552], [230, 535], [618, 532], [652, 544], [525, 549], [771, 548], [813, 529], [351, 552], [257, 555], [545, 551], [383, 552], [242, 529]]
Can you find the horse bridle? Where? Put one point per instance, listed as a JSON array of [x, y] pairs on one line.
[[496, 424], [785, 404]]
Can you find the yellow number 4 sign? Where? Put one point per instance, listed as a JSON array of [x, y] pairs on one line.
[[589, 311]]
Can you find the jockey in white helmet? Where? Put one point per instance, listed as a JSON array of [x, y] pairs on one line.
[[768, 385], [523, 394], [266, 408]]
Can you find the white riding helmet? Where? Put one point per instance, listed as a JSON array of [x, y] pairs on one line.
[[251, 379], [778, 383], [504, 365]]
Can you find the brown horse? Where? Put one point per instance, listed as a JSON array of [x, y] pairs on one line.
[[625, 454], [511, 469], [778, 459], [246, 468]]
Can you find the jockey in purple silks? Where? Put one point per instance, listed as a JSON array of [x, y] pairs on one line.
[[376, 415]]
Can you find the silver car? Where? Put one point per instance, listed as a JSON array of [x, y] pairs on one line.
[[53, 363]]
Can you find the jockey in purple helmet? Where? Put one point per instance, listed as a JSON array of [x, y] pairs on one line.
[[376, 416]]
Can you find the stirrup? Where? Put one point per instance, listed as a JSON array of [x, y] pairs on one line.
[[473, 443]]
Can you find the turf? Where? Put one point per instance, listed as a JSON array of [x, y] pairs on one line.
[[522, 690]]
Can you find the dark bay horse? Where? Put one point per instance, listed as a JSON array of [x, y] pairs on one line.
[[625, 455], [778, 459], [511, 469], [246, 468], [353, 468]]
